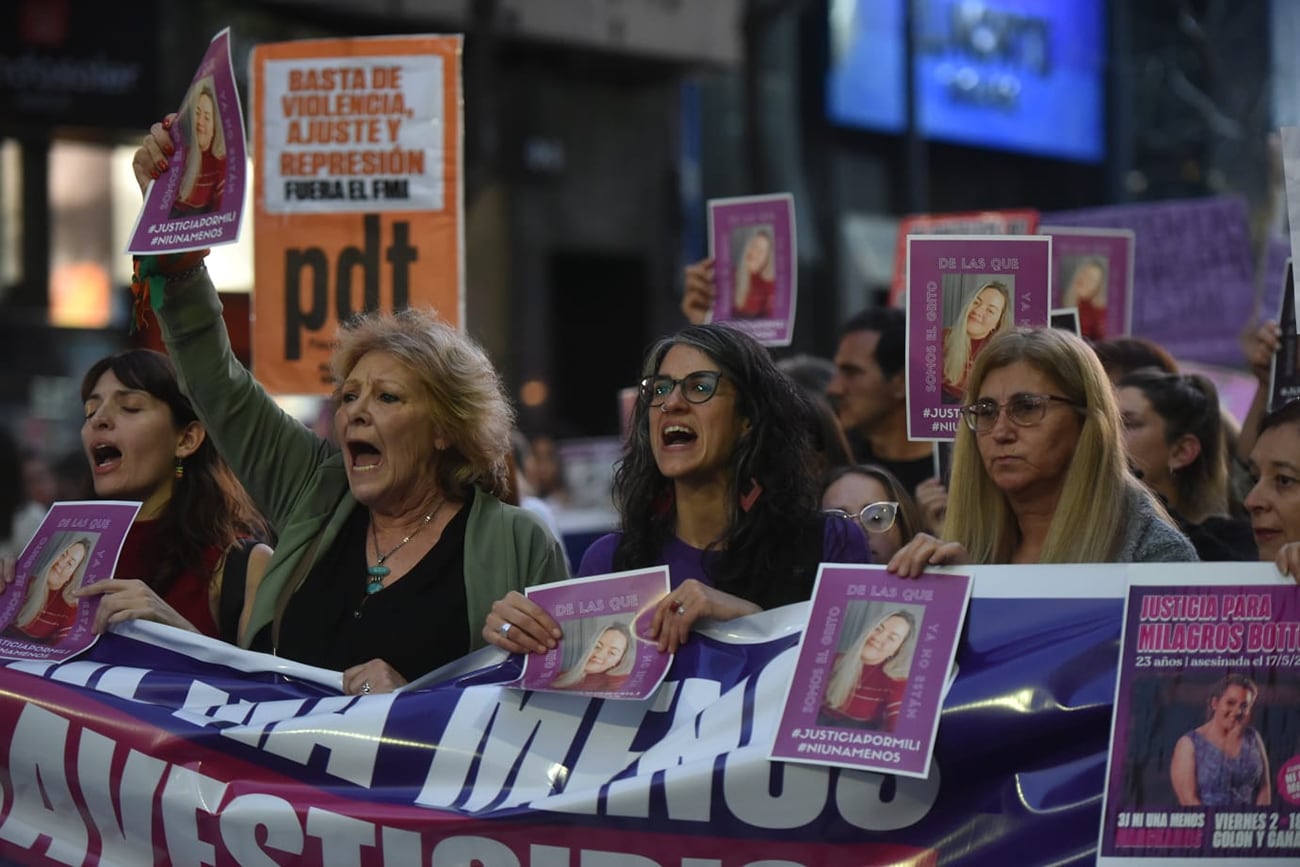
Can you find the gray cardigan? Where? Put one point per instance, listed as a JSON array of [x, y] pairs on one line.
[[1149, 538], [299, 482]]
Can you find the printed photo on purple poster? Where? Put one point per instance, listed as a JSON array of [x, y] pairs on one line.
[[962, 291], [76, 545], [1092, 270], [872, 669], [1204, 756], [199, 201], [755, 263], [606, 650]]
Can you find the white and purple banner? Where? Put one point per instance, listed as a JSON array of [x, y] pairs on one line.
[[158, 746], [755, 265]]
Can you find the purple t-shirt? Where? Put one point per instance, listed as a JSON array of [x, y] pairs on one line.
[[844, 542]]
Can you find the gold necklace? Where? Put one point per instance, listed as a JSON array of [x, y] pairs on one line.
[[376, 574]]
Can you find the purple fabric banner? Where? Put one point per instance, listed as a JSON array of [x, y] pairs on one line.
[[1193, 272]]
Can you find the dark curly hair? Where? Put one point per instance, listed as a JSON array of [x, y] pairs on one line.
[[208, 507], [759, 555]]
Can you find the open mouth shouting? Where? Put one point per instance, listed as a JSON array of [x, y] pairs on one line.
[[104, 458], [363, 457], [677, 435]]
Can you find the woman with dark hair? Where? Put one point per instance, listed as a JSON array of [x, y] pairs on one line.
[[1274, 501], [144, 442], [717, 481], [1173, 431], [1222, 762]]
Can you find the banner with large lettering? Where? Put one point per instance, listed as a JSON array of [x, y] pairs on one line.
[[164, 747], [358, 193]]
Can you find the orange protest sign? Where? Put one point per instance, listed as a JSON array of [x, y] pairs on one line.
[[357, 193]]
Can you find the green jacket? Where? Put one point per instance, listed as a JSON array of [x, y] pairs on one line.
[[299, 482]]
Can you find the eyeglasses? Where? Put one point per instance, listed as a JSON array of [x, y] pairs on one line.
[[1022, 409], [697, 387], [874, 517]]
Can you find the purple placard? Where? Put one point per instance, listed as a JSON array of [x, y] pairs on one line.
[[607, 650], [199, 201], [1092, 270], [76, 545], [752, 243], [1206, 672], [872, 670], [1193, 271], [992, 284]]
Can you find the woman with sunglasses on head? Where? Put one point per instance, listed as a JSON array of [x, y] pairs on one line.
[[1040, 473], [873, 497], [718, 482]]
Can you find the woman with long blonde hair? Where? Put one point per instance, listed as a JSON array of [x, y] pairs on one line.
[[867, 680], [1040, 473], [203, 182], [756, 276], [986, 314]]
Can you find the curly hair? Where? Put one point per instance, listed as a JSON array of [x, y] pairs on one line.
[[759, 552], [469, 405], [208, 507]]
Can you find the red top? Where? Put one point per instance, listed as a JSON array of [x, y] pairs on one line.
[[188, 593], [53, 621], [1092, 320], [205, 196], [876, 699], [758, 303], [957, 390]]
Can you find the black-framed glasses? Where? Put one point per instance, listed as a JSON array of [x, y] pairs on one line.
[[874, 517], [697, 387], [1023, 409]]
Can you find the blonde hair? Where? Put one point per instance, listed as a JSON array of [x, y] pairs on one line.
[[848, 668], [768, 271], [194, 161], [37, 594], [575, 675], [956, 343], [1091, 515], [467, 401]]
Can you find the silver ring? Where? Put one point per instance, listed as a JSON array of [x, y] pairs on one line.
[[365, 687], [680, 608], [504, 628]]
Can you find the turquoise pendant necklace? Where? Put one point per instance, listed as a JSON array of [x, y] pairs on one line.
[[376, 574]]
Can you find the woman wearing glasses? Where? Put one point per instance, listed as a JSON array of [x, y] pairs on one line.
[[1039, 471], [717, 482], [877, 501]]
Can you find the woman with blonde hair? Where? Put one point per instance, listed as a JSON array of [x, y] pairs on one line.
[[203, 182], [1040, 473], [986, 314], [867, 680], [51, 605], [756, 277], [604, 663]]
